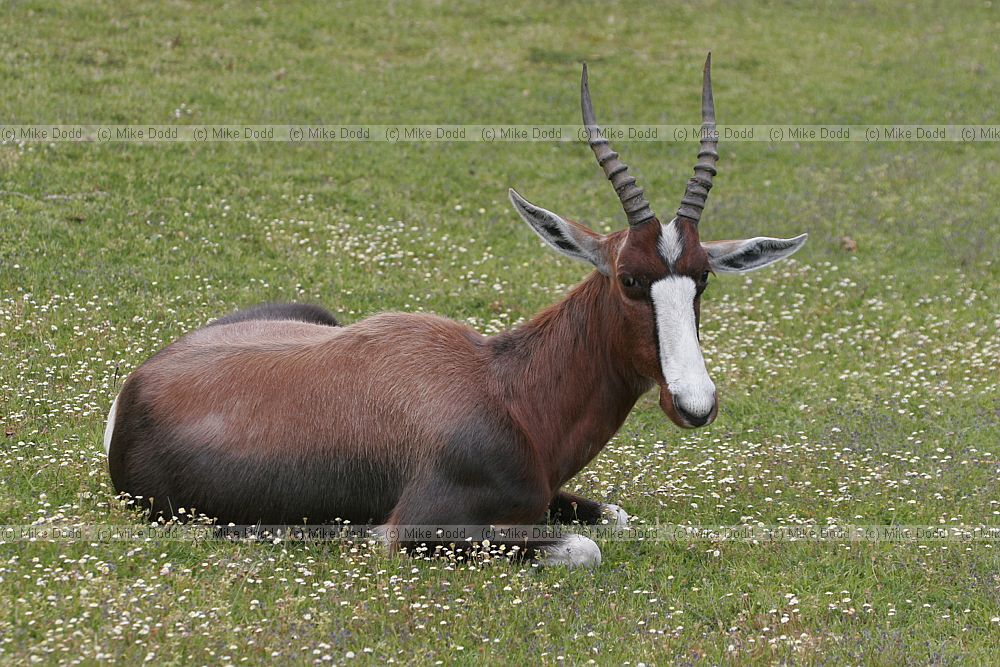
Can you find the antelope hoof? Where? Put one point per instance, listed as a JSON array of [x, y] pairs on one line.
[[573, 551], [615, 515], [381, 535]]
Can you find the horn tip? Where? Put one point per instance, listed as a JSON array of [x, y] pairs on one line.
[[515, 198]]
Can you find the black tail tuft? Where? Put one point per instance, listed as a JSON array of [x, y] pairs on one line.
[[302, 312]]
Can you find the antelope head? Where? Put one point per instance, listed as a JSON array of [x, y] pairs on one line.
[[655, 272]]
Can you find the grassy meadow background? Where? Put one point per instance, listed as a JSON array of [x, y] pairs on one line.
[[856, 387]]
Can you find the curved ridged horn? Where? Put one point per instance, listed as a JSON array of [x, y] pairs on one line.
[[697, 189], [636, 207]]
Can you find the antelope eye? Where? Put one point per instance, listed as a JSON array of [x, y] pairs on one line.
[[704, 277], [629, 281]]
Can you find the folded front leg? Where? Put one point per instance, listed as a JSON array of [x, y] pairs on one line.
[[568, 507]]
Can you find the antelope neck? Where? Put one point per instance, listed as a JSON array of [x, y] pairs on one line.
[[566, 379]]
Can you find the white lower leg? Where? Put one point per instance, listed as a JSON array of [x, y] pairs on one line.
[[616, 516], [572, 551]]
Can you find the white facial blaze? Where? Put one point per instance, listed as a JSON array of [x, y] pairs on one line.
[[670, 245], [680, 353]]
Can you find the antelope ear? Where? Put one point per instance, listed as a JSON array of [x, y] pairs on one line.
[[569, 238], [750, 254]]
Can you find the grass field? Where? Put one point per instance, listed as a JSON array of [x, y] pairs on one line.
[[856, 387]]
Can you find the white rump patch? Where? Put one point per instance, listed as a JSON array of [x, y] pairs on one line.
[[616, 516], [680, 352], [670, 243], [110, 428], [573, 551]]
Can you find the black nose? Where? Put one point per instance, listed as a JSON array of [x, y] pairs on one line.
[[693, 420]]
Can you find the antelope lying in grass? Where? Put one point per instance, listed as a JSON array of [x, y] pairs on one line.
[[275, 416]]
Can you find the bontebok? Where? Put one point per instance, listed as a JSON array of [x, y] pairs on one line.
[[277, 415]]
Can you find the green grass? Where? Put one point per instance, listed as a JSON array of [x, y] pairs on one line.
[[856, 387]]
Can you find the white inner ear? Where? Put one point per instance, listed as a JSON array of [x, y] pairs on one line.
[[680, 352], [558, 234], [751, 254]]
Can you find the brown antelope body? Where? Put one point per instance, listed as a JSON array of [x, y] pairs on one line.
[[277, 415]]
